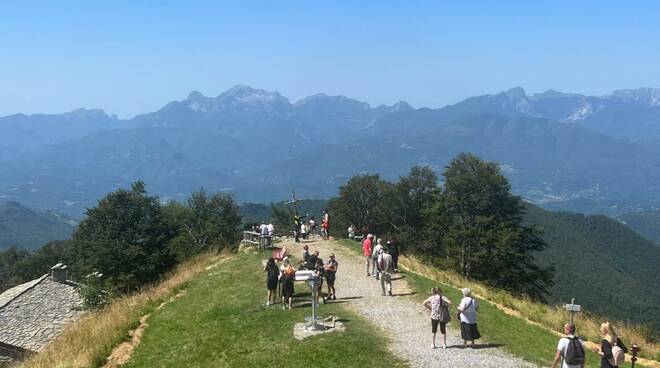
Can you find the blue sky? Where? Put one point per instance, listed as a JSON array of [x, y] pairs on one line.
[[129, 58]]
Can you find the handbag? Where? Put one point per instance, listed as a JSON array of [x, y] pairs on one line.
[[445, 316]]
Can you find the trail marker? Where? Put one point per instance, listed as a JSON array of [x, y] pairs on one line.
[[573, 308]]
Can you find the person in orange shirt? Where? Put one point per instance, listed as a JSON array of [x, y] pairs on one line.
[[367, 249]]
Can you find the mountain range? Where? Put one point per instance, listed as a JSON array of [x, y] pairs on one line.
[[560, 150]]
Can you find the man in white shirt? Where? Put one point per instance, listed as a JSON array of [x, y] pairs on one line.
[[572, 345], [385, 269]]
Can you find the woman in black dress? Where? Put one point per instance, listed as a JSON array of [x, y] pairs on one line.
[[272, 279], [288, 277]]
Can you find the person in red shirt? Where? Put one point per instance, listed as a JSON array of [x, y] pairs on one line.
[[367, 249]]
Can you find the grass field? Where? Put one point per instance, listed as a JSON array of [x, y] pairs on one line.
[[222, 322]]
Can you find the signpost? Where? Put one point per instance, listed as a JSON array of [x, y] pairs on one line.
[[573, 308]]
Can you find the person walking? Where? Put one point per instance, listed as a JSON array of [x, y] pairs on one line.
[[272, 279], [468, 315], [385, 269], [612, 350], [330, 274], [374, 258], [570, 350], [393, 246], [439, 306], [288, 277], [367, 250]]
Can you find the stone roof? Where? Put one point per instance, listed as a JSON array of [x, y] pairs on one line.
[[34, 313]]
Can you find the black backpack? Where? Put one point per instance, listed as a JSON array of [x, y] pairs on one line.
[[574, 354]]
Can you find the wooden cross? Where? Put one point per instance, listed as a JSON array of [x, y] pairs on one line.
[[294, 201]]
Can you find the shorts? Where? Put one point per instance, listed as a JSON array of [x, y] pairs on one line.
[[330, 280], [434, 326]]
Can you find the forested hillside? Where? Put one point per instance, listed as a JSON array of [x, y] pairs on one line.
[[601, 263], [646, 223], [25, 228]]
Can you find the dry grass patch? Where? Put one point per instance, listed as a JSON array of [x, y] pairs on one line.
[[89, 342]]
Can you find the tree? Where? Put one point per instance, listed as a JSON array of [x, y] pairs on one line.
[[204, 222], [405, 202], [478, 226], [124, 237], [360, 203]]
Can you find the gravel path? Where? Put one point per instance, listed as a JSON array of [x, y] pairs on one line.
[[400, 317]]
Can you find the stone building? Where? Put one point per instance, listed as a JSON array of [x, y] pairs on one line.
[[34, 313]]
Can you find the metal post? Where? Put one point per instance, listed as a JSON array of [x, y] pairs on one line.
[[572, 312], [634, 349], [313, 325]]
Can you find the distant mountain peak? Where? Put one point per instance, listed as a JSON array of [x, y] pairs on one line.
[[196, 96], [85, 114], [551, 94], [516, 92], [645, 96], [324, 98], [401, 106], [246, 94]]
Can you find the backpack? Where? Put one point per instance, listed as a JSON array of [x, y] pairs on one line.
[[618, 356], [574, 354]]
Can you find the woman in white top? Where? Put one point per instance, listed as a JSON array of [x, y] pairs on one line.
[[468, 313]]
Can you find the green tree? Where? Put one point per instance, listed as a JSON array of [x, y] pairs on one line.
[[204, 222], [404, 204], [360, 203], [477, 224], [124, 237]]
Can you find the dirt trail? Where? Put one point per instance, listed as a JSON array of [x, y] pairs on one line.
[[401, 318]]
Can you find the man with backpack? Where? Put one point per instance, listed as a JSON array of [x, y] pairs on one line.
[[570, 350]]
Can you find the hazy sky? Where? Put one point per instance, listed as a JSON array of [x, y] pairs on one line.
[[127, 59]]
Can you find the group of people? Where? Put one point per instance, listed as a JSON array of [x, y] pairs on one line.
[[571, 350], [285, 276], [439, 305], [305, 229], [267, 232], [381, 261]]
